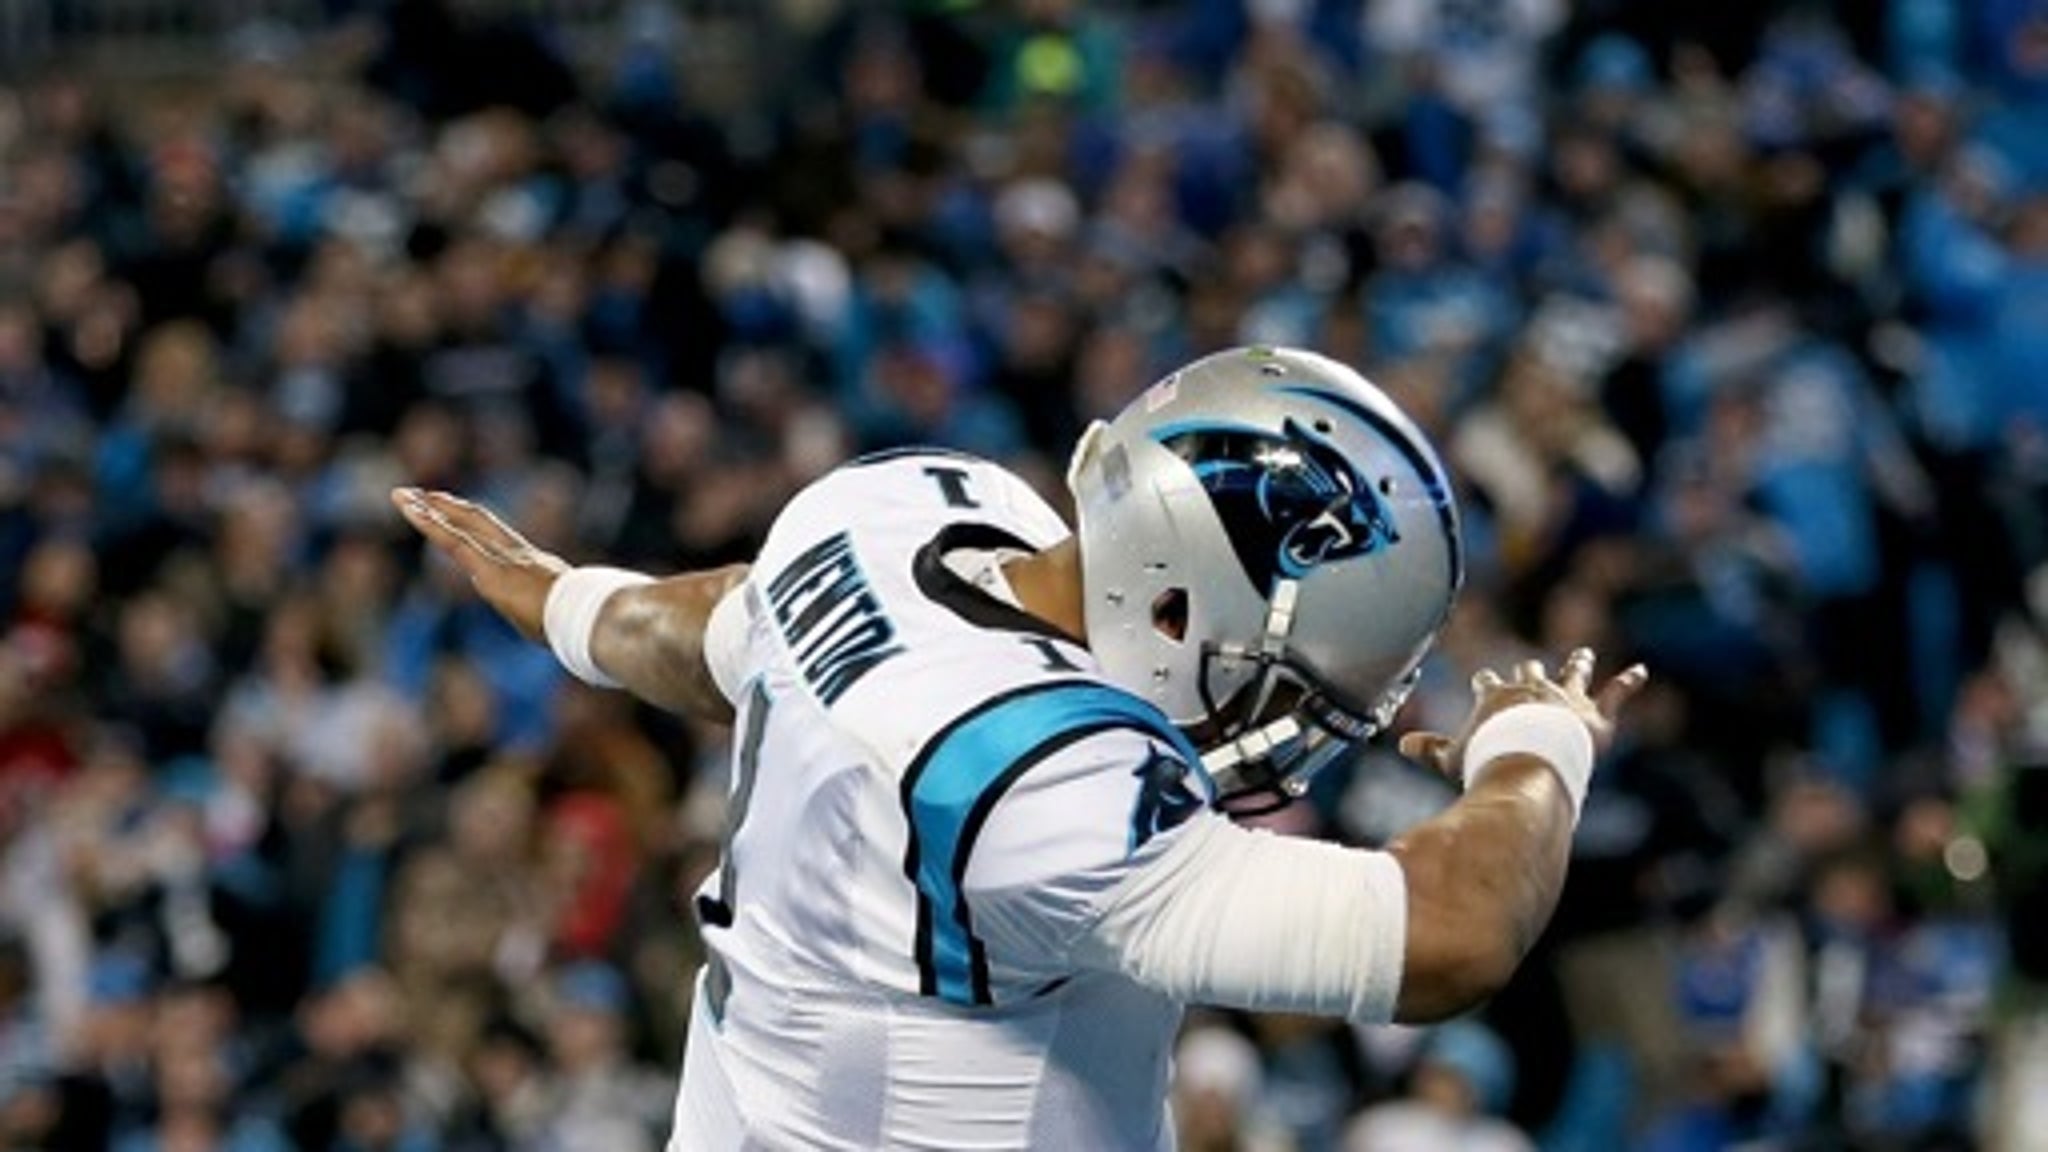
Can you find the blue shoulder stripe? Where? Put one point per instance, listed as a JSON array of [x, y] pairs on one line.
[[955, 783]]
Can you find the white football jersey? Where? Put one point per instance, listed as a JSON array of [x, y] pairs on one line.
[[932, 792]]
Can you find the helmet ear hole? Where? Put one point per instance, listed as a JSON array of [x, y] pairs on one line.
[[1170, 614]]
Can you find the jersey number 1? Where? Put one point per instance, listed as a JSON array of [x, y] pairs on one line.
[[952, 485]]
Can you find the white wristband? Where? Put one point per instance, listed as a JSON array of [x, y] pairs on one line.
[[1551, 733], [570, 617]]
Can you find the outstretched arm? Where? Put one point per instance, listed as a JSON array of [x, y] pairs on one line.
[[649, 637], [651, 640]]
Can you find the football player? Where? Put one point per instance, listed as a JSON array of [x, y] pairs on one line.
[[979, 850]]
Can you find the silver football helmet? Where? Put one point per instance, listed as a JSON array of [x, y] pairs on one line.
[[1268, 550]]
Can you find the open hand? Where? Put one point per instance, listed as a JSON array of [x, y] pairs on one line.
[[1531, 683], [510, 573]]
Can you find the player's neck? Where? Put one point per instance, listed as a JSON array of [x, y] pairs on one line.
[[1048, 585]]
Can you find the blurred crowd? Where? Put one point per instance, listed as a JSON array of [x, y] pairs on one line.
[[1731, 317]]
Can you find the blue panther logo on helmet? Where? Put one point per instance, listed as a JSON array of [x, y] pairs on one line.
[[1288, 502]]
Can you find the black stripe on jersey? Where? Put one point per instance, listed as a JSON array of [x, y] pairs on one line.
[[928, 974], [927, 971], [978, 816], [944, 587]]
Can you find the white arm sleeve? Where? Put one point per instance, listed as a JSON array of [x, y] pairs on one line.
[[1076, 870], [1251, 920], [725, 641]]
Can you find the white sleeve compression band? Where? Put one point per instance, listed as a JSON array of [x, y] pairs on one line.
[[570, 617], [1247, 919], [725, 642], [1551, 733]]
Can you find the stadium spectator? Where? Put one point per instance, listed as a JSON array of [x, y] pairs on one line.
[[1730, 316], [1458, 1088]]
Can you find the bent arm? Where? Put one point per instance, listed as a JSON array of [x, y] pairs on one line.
[[1417, 933], [1483, 878], [651, 639]]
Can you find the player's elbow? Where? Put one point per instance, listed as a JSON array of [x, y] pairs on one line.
[[1453, 980], [1482, 881], [1461, 947]]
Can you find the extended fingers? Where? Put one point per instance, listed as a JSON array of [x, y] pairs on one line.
[[429, 513], [421, 514], [472, 520], [1578, 671], [1432, 749], [1616, 692], [1531, 672]]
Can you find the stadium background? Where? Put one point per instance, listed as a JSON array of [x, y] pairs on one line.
[[1732, 317]]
